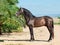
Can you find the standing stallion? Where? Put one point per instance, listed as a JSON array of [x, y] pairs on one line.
[[32, 21]]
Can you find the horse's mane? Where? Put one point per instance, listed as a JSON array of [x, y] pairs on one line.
[[28, 12]]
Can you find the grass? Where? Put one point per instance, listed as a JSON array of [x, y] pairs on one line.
[[1, 40], [57, 23]]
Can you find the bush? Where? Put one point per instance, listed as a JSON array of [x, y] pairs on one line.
[[8, 19]]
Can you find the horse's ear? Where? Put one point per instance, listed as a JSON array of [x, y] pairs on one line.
[[22, 9]]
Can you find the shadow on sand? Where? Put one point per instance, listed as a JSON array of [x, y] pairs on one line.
[[28, 40]]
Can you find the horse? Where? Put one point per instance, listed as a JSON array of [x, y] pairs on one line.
[[33, 21]]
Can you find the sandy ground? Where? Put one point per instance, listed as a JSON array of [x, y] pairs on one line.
[[41, 35]]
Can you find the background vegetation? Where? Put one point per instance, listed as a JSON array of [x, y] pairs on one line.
[[8, 21], [58, 21]]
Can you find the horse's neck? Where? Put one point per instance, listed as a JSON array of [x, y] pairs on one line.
[[27, 18], [28, 15]]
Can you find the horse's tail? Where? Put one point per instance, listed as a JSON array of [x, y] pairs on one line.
[[52, 24], [53, 29]]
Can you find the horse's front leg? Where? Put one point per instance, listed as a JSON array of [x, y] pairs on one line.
[[31, 32]]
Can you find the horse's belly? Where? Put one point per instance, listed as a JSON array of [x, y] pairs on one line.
[[39, 23]]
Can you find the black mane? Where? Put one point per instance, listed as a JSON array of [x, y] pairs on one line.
[[28, 12]]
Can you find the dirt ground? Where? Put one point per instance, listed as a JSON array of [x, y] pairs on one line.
[[41, 35]]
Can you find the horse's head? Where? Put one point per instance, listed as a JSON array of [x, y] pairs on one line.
[[19, 12]]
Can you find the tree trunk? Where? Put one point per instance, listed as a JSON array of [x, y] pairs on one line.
[[0, 31]]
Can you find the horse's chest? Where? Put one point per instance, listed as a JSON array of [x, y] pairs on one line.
[[31, 22]]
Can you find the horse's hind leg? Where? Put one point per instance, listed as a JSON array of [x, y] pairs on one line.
[[51, 31]]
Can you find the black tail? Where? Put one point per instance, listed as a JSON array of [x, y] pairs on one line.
[[53, 29], [52, 24]]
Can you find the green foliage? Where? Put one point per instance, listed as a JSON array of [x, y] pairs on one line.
[[58, 17], [8, 19], [58, 22]]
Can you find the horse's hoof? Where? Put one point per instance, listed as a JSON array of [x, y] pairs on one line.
[[49, 40], [32, 39]]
